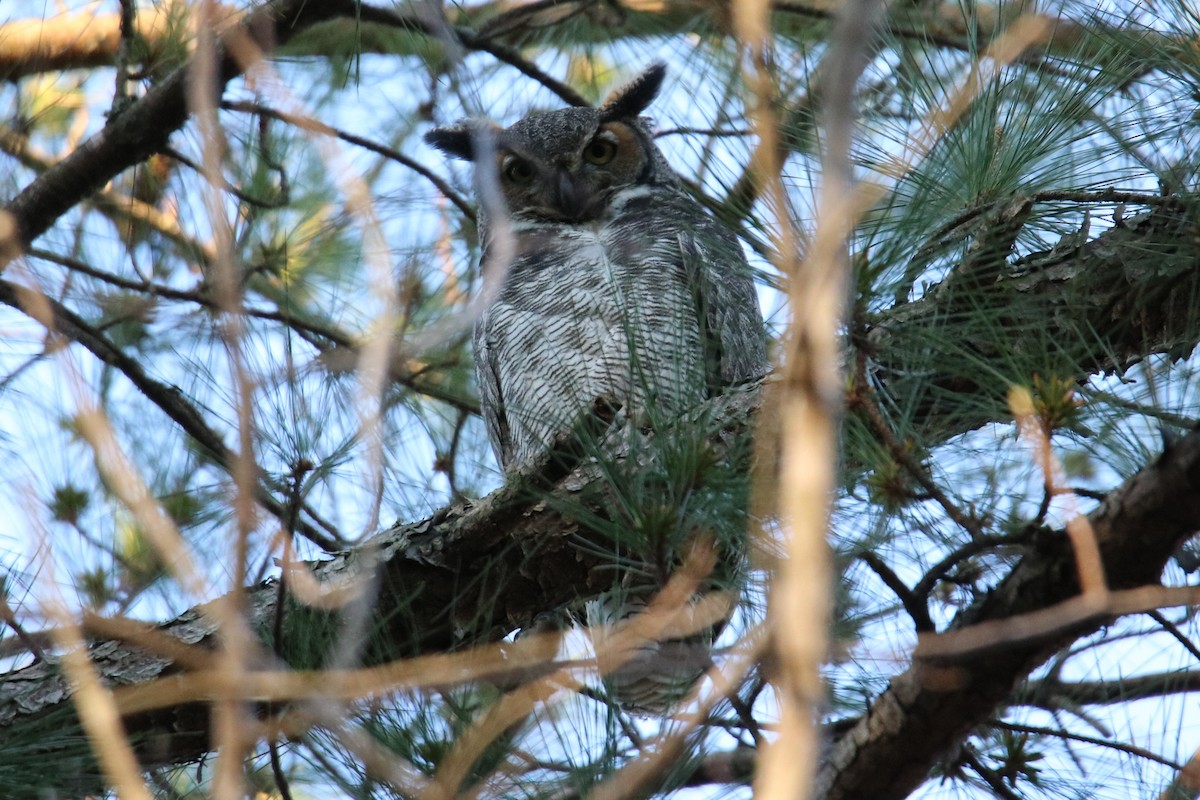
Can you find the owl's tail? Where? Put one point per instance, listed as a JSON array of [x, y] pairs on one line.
[[650, 658]]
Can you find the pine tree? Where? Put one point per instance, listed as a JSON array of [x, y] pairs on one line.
[[955, 521]]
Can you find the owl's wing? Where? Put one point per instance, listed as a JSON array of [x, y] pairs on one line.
[[726, 305], [491, 398]]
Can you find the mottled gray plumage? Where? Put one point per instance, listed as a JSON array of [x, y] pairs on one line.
[[621, 289]]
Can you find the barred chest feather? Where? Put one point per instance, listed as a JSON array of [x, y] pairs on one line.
[[596, 311]]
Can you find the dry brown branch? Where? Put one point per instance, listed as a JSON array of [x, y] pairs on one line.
[[98, 715], [144, 127], [937, 701], [1186, 785], [639, 777], [811, 390], [503, 663], [83, 39], [422, 570], [1092, 608], [1083, 539]]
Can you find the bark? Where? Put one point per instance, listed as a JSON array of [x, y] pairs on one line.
[[929, 709], [468, 575], [134, 134], [86, 40]]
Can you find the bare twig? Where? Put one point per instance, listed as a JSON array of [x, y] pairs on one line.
[[993, 779], [913, 603], [1133, 750], [314, 125], [1176, 634], [863, 398], [1081, 611]]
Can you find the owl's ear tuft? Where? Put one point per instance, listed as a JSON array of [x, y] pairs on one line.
[[461, 139], [632, 99], [453, 140]]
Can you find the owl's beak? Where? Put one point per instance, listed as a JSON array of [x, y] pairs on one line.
[[573, 198]]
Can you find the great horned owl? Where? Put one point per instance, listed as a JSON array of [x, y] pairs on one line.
[[620, 288]]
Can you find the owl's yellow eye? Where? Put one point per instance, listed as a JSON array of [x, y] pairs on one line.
[[517, 170], [600, 151]]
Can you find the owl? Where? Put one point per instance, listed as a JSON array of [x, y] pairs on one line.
[[618, 288]]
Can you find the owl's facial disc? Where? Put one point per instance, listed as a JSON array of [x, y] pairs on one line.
[[575, 181], [569, 191]]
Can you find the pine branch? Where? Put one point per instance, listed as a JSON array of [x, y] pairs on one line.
[[1092, 307], [142, 129], [470, 574], [936, 703]]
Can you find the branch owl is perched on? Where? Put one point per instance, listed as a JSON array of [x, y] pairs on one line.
[[621, 289]]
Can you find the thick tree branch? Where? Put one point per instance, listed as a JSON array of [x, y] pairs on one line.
[[470, 574], [934, 704], [84, 40], [79, 40], [1090, 307], [143, 128]]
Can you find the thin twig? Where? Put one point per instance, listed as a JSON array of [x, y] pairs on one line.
[[519, 17], [281, 781], [862, 398], [8, 617], [993, 779], [197, 297], [713, 132], [475, 41], [1082, 610], [914, 604], [514, 59], [314, 125], [1173, 629], [226, 185], [1061, 734], [968, 549]]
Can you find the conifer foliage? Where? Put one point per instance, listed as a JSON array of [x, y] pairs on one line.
[[945, 547]]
